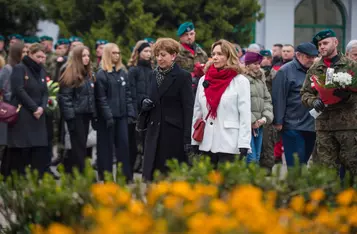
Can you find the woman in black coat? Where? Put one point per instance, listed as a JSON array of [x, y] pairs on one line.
[[27, 139], [77, 105], [140, 69], [115, 107], [169, 109]]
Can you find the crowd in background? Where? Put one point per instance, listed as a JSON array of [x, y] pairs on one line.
[[172, 100]]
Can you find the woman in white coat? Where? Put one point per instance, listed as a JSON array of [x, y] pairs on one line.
[[223, 97]]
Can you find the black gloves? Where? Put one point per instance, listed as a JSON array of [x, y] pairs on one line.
[[344, 94], [147, 105], [318, 105], [243, 152], [71, 125], [191, 149], [110, 123], [94, 124]]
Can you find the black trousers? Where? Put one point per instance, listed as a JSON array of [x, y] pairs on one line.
[[133, 146], [17, 159], [113, 141], [219, 157], [76, 156]]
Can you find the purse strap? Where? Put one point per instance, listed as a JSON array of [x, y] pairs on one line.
[[209, 112]]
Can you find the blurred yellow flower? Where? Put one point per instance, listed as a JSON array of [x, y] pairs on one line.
[[180, 188], [346, 197], [171, 202], [88, 210], [219, 207], [57, 228], [136, 207], [317, 195], [297, 203], [215, 177], [37, 229]]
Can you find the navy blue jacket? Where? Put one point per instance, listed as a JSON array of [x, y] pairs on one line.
[[288, 108]]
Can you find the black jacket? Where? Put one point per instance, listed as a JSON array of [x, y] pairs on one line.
[[288, 108], [80, 100], [113, 96], [139, 82], [169, 122], [29, 89]]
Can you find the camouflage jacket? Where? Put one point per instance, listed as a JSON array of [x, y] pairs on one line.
[[339, 116], [50, 65], [187, 61]]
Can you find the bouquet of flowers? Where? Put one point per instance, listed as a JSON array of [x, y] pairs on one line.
[[328, 83], [52, 94]]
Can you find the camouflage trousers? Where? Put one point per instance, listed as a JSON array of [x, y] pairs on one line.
[[269, 140], [337, 147]]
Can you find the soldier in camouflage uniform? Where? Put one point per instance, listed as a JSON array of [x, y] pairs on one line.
[[336, 127], [99, 46], [191, 55], [269, 132], [50, 65]]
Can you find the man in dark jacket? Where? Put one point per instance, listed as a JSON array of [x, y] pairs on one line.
[[291, 116]]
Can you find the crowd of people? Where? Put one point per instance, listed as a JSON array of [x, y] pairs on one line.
[[172, 100]]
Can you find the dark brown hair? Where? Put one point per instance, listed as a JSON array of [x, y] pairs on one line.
[[167, 44], [75, 71], [15, 53]]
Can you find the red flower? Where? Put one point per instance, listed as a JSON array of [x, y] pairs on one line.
[[48, 79], [50, 102], [351, 73]]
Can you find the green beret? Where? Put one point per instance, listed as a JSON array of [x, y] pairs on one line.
[[31, 40], [74, 38], [2, 38], [185, 27], [100, 42], [61, 41], [323, 35], [46, 38], [15, 36], [149, 40], [265, 53]]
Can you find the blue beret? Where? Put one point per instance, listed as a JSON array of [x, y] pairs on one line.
[[46, 38], [100, 42], [74, 38], [307, 48], [15, 36], [149, 40], [31, 40], [266, 53], [185, 27], [2, 38], [62, 41], [323, 35]]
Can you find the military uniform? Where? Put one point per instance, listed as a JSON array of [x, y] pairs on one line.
[[336, 127], [186, 60]]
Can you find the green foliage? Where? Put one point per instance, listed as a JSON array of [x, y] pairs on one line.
[[125, 22], [20, 16]]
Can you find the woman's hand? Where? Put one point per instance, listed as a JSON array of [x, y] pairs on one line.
[[255, 125], [38, 113], [261, 122]]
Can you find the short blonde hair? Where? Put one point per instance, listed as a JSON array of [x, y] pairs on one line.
[[107, 64], [2, 62], [166, 44], [228, 50]]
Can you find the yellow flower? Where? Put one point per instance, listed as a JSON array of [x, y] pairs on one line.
[[310, 207], [160, 226], [181, 188], [346, 197], [136, 207], [297, 203], [317, 195], [171, 202], [197, 223], [37, 229], [215, 177], [271, 198], [105, 193], [156, 191], [218, 206], [57, 228], [88, 210], [123, 198]]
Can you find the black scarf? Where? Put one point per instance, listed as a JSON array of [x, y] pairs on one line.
[[33, 66], [144, 63], [161, 74]]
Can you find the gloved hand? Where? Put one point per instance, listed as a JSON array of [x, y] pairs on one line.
[[110, 123], [147, 105], [344, 94], [131, 120], [94, 123], [71, 125], [243, 153], [318, 105]]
